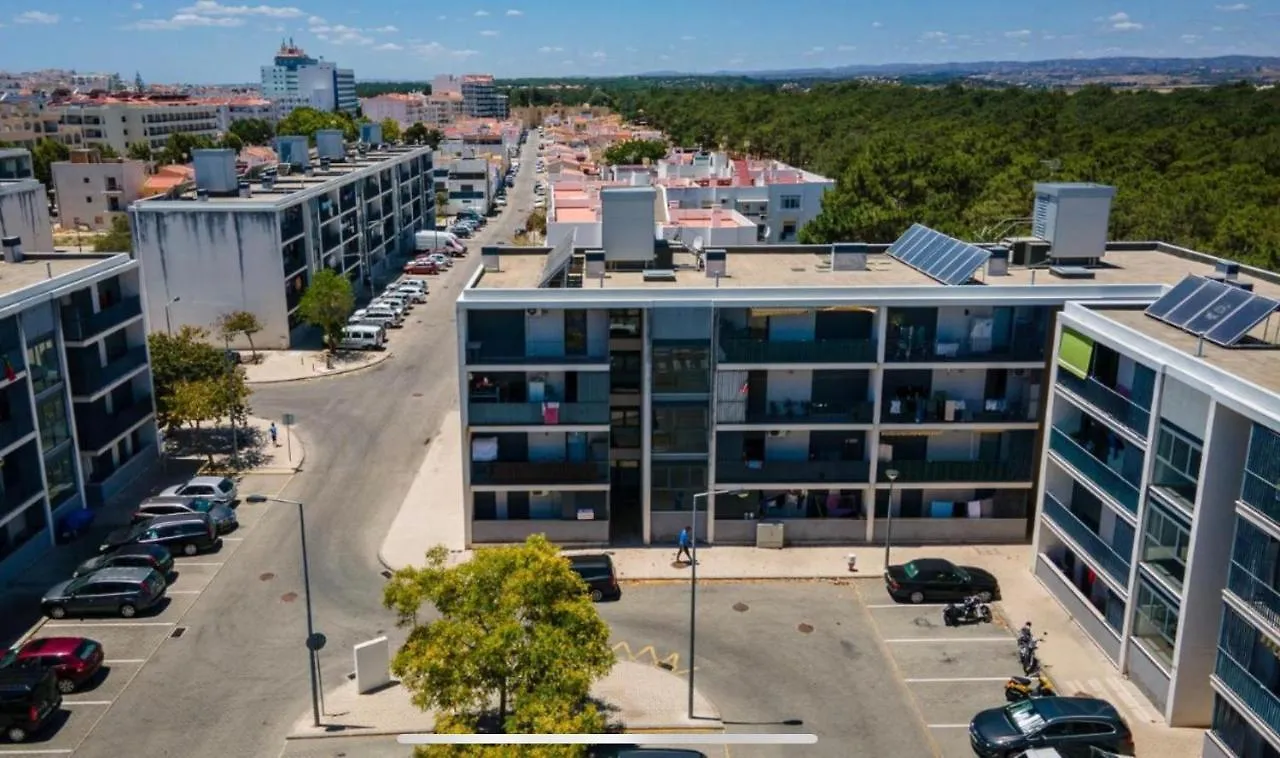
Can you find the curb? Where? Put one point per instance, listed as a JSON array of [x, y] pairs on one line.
[[381, 358], [363, 733]]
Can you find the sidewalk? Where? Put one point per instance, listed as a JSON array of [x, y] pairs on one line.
[[276, 366], [638, 697], [250, 444], [432, 512], [284, 457]]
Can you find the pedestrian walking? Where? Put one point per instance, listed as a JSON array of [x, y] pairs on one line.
[[684, 546], [275, 435]]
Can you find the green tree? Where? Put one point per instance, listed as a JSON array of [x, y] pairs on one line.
[[140, 151], [196, 402], [442, 201], [306, 122], [253, 131], [231, 141], [45, 153], [537, 221], [632, 152], [327, 304], [240, 322], [177, 149], [107, 152], [188, 357], [118, 239], [415, 134], [390, 130], [517, 646]]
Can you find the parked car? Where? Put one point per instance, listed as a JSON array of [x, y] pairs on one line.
[[28, 697], [155, 557], [1071, 725], [123, 591], [223, 516], [414, 294], [597, 571], [459, 230], [190, 533], [938, 580], [74, 660], [421, 268], [441, 260], [219, 489]]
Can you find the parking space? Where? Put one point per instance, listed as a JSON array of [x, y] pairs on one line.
[[950, 672]]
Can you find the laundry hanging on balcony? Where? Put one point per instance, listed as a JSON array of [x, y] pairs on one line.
[[550, 413]]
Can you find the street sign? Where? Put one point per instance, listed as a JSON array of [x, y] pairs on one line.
[[287, 419], [316, 642]]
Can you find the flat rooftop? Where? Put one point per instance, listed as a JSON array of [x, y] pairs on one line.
[[781, 266], [15, 277]]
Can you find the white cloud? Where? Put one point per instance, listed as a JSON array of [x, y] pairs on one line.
[[1118, 18], [1019, 34], [514, 12], [1127, 26], [688, 38], [181, 21], [388, 29], [598, 55], [936, 36], [1049, 37], [437, 50], [482, 13], [550, 49], [815, 50], [1189, 38], [316, 21], [664, 57], [36, 17], [876, 24], [846, 48], [136, 6], [736, 61], [388, 47], [1234, 8], [214, 8], [442, 18], [488, 33], [342, 35], [76, 19]]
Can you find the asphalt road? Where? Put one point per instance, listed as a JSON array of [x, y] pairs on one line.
[[240, 682]]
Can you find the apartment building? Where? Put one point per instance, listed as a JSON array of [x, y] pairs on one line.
[[296, 80], [244, 109], [406, 109], [77, 415], [24, 121], [118, 121], [443, 109], [90, 192], [24, 203], [236, 242], [468, 181], [577, 208], [481, 99]]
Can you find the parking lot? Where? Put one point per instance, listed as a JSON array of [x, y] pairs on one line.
[[129, 644]]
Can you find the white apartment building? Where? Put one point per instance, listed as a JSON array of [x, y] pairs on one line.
[[469, 181], [24, 121], [406, 109], [24, 203], [443, 109], [234, 244], [446, 84], [120, 121], [296, 80], [89, 191], [244, 109]]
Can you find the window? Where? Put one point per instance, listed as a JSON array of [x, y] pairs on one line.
[[625, 373], [1177, 469], [625, 323], [1238, 734], [86, 180], [89, 200], [681, 370], [1165, 542], [1156, 621], [60, 473], [790, 202], [42, 360], [52, 414], [680, 429], [1262, 471], [673, 485], [625, 428], [788, 232]]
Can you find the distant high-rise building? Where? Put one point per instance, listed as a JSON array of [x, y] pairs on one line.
[[296, 80], [481, 99]]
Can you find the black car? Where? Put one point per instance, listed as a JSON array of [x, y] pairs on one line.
[[938, 580], [155, 557], [190, 533], [597, 571], [28, 697], [1074, 726]]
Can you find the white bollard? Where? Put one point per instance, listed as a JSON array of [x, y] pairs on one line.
[[373, 664], [853, 561]]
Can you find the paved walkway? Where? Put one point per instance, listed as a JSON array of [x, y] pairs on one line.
[[432, 512], [640, 697], [255, 450], [275, 366]]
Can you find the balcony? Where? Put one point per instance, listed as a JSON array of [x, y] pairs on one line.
[[955, 411], [15, 495], [1115, 565], [759, 351], [1259, 698], [539, 473], [957, 471], [806, 412], [1116, 486], [1124, 411], [1256, 594], [529, 353], [536, 414], [1019, 350], [97, 429], [19, 424], [79, 327], [792, 472], [92, 380]]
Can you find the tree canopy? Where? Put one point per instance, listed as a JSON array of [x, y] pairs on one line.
[[118, 239], [419, 133], [327, 304], [390, 130], [45, 153], [177, 149], [193, 380], [633, 152], [307, 121], [1194, 167], [253, 131]]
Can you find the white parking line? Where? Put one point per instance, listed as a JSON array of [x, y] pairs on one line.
[[181, 562], [111, 661], [183, 592], [958, 680], [947, 726], [46, 751], [233, 539], [73, 624], [952, 639], [86, 702], [905, 605]]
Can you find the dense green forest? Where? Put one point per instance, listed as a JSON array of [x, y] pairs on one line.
[[1199, 168]]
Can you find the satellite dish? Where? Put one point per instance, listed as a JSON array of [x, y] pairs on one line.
[[697, 244]]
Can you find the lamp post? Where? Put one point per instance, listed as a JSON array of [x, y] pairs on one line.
[[693, 579], [892, 476], [314, 641], [168, 325]]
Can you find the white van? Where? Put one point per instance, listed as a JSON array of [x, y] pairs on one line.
[[363, 337], [384, 317]]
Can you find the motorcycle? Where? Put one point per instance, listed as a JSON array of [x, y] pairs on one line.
[[1028, 658], [1026, 687], [970, 611]]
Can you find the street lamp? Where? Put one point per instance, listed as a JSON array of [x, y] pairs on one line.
[[314, 641], [693, 579], [892, 476], [168, 325]]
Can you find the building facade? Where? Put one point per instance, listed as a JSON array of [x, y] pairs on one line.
[[77, 411], [468, 182], [296, 80], [406, 109], [90, 191], [481, 98], [228, 244], [24, 203], [121, 121], [24, 121], [244, 109]]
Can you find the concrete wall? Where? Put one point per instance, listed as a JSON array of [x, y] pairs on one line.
[[665, 526], [216, 261], [1084, 614], [24, 212], [1185, 407], [1151, 678], [797, 531], [1213, 748], [559, 532], [789, 386], [956, 530], [81, 190]]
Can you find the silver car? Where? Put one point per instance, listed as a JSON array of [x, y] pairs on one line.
[[217, 488], [223, 517]]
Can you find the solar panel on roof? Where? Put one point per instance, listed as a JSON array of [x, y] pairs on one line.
[[1188, 309], [964, 269], [1230, 330], [936, 250], [1224, 306], [1169, 300], [943, 258]]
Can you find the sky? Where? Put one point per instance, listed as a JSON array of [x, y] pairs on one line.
[[211, 41]]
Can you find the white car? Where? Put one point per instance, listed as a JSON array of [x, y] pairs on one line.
[[413, 294], [216, 488], [441, 260]]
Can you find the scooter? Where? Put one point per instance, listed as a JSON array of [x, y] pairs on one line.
[[970, 611], [1026, 687], [1028, 658]]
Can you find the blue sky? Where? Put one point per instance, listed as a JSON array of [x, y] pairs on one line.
[[216, 41]]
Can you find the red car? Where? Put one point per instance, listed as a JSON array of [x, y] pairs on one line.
[[420, 267], [74, 660]]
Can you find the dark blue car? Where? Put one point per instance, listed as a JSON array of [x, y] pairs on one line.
[[1074, 726]]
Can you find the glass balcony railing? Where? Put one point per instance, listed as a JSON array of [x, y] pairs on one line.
[[792, 472], [15, 494], [808, 412], [1255, 593], [958, 412], [99, 429], [93, 379], [1026, 349], [539, 473], [1116, 565], [1129, 414], [743, 350], [528, 414], [1098, 472], [1257, 696], [78, 326], [532, 352], [957, 471]]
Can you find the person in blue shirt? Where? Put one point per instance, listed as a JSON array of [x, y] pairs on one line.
[[683, 541]]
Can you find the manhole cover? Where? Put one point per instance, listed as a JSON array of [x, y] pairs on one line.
[[805, 629], [741, 607], [266, 577], [289, 597], [176, 633]]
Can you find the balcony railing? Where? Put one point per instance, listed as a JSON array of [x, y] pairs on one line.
[[19, 424], [529, 414], [77, 326], [741, 350], [965, 350], [17, 493], [1257, 696], [1116, 565], [808, 412], [539, 473], [95, 378], [98, 429], [957, 471], [788, 472], [533, 352], [1129, 414], [973, 412], [1098, 472], [1255, 593]]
